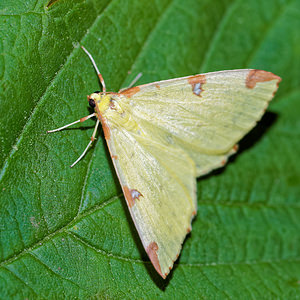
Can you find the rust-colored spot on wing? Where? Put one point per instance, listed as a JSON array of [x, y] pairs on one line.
[[151, 251], [127, 195], [131, 195], [130, 92], [114, 156], [200, 78], [255, 76], [194, 213], [197, 82], [189, 229], [157, 86]]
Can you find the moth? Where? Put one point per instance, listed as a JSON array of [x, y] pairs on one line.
[[163, 135]]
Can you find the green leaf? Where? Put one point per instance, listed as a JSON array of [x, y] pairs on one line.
[[67, 233]]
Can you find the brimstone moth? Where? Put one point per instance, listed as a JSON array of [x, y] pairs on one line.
[[177, 130]]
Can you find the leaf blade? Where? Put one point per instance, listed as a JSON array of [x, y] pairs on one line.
[[86, 235]]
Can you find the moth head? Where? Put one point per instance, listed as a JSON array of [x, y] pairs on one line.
[[99, 101], [94, 98]]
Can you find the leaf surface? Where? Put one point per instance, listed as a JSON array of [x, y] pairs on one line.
[[66, 233]]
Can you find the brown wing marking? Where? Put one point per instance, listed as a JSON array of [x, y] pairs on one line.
[[197, 83], [255, 76], [130, 92], [131, 195], [151, 251]]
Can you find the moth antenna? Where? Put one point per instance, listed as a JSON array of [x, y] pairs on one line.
[[87, 147], [96, 68], [68, 125], [137, 77]]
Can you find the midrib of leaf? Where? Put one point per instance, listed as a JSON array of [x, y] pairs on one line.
[[42, 97]]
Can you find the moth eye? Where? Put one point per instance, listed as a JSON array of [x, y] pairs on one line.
[[92, 103], [97, 92]]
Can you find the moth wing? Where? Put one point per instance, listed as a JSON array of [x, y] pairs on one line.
[[159, 186], [205, 115]]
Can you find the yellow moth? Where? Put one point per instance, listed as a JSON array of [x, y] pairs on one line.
[[163, 135]]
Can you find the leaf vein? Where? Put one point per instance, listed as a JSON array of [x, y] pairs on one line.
[[53, 272], [21, 280]]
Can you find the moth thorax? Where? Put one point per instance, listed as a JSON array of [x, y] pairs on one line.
[[103, 103]]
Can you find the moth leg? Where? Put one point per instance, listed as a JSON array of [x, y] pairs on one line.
[[96, 68], [137, 77], [68, 125], [87, 147]]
